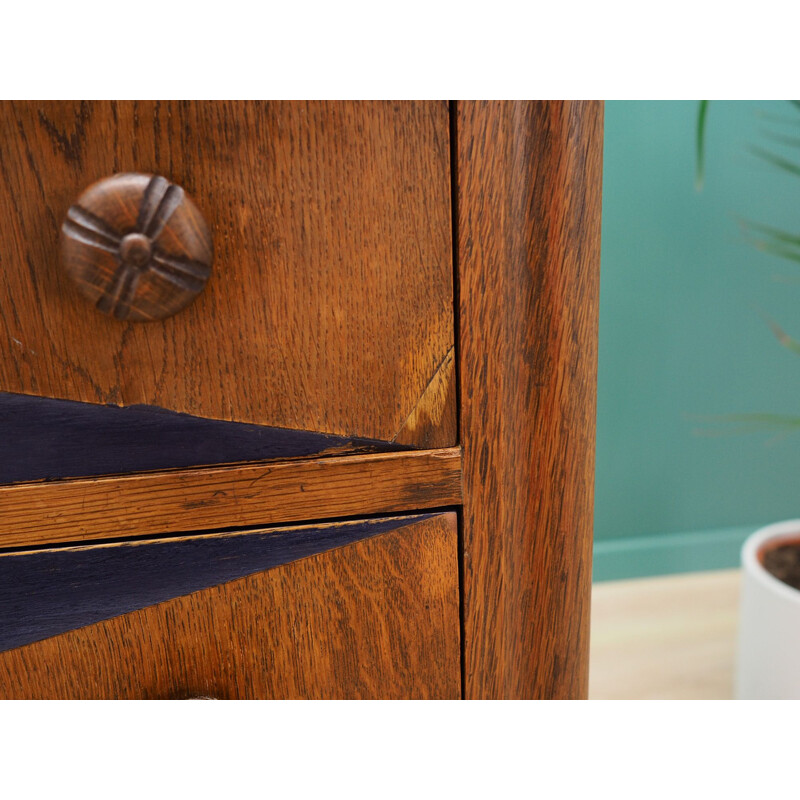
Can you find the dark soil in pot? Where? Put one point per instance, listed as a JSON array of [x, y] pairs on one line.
[[783, 561]]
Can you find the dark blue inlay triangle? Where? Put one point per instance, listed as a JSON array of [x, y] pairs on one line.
[[48, 439], [49, 592]]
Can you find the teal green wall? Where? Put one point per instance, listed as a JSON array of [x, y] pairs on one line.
[[681, 336]]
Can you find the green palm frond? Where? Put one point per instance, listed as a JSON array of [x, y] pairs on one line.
[[776, 234], [769, 239], [776, 161], [776, 250], [730, 424], [700, 143], [780, 334], [779, 138], [765, 116]]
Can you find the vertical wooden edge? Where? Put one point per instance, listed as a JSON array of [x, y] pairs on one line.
[[528, 216]]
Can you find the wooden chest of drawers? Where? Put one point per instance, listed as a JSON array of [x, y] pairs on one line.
[[333, 435]]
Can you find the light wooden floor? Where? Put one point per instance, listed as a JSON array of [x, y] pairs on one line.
[[665, 638]]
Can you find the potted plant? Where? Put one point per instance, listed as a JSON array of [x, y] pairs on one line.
[[768, 660]]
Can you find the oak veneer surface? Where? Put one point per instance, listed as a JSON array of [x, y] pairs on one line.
[[374, 619], [228, 496], [330, 305], [47, 592], [528, 209]]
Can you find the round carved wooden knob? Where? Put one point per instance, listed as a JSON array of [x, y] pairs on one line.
[[137, 247]]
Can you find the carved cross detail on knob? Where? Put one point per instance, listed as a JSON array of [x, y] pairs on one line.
[[137, 247]]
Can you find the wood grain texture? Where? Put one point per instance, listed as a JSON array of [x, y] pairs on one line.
[[434, 416], [375, 619], [49, 439], [137, 247], [529, 183], [224, 497], [47, 592], [330, 306]]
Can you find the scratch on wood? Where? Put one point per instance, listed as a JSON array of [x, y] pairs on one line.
[[434, 412]]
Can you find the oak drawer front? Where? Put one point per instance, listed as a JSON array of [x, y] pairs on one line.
[[330, 302], [350, 610]]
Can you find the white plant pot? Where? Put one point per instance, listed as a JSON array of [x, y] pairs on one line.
[[768, 664]]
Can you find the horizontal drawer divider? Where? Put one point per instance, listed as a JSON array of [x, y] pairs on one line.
[[228, 496]]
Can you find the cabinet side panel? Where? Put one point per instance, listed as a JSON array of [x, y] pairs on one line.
[[529, 194]]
